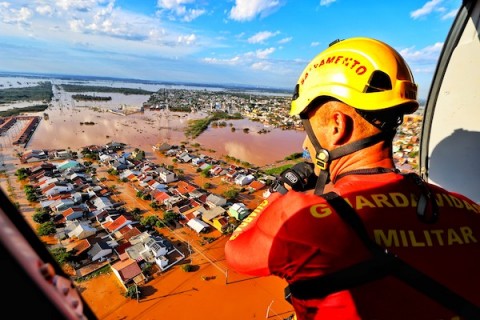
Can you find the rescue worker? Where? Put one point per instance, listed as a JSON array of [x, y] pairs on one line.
[[401, 248]]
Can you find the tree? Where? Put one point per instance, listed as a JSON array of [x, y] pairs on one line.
[[112, 171], [41, 216], [136, 213], [30, 193], [147, 268], [205, 173], [231, 193], [187, 267], [32, 197], [140, 154], [170, 217], [21, 173], [149, 221], [154, 205], [61, 255], [46, 228], [132, 292]]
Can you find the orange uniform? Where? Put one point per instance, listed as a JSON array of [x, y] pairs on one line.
[[299, 236]]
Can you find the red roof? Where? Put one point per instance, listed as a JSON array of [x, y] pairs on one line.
[[129, 231], [127, 269], [257, 185], [122, 247], [69, 211], [50, 186], [184, 187], [161, 196], [81, 246], [116, 223]]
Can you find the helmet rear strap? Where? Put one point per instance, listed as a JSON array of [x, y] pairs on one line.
[[323, 157], [386, 120]]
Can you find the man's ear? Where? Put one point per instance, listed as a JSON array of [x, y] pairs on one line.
[[341, 128]]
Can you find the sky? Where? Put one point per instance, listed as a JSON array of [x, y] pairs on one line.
[[263, 43]]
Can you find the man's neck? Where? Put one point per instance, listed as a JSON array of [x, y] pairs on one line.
[[372, 157]]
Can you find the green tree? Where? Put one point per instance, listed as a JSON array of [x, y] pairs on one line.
[[187, 267], [113, 172], [136, 213], [41, 216], [147, 268], [140, 155], [46, 228], [205, 173], [61, 255], [28, 188], [231, 193], [32, 197], [149, 221], [132, 292], [21, 174], [170, 216], [30, 193]]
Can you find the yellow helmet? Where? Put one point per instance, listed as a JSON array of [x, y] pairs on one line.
[[364, 73]]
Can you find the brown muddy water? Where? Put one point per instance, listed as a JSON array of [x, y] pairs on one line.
[[144, 130], [75, 125]]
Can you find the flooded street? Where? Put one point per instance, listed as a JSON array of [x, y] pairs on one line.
[[73, 125], [64, 129]]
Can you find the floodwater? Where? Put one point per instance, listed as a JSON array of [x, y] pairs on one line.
[[74, 125]]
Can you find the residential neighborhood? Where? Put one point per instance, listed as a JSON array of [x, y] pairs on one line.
[[93, 224], [111, 208]]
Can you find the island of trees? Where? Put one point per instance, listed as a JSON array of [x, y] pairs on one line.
[[41, 92], [196, 127]]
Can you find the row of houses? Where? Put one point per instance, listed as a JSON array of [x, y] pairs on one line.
[[27, 133], [199, 209], [216, 168], [100, 231], [95, 229]]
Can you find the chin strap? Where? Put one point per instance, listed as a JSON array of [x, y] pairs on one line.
[[323, 157]]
